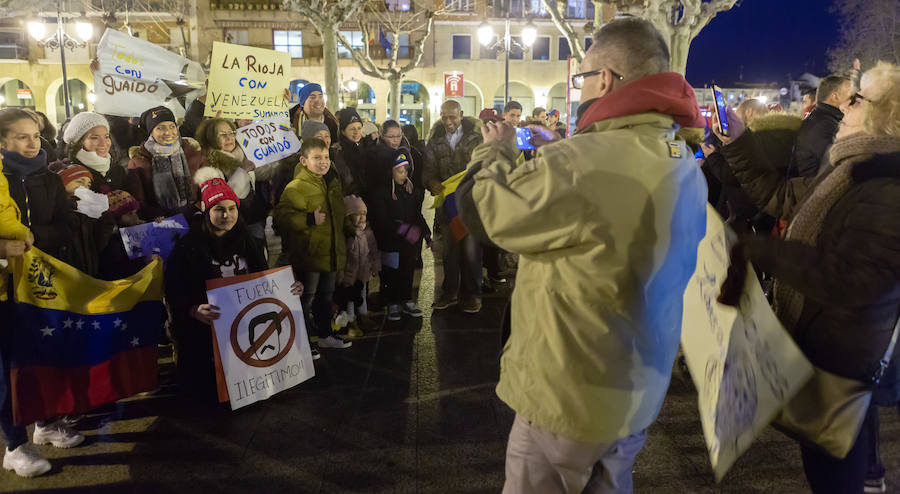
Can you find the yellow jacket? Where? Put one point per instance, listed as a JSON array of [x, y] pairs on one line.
[[11, 228]]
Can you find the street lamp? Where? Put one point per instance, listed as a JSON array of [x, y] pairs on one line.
[[61, 40], [486, 38]]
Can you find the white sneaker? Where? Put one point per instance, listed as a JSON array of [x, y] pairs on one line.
[[57, 434], [334, 342], [25, 461]]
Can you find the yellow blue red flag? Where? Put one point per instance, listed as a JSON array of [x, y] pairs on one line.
[[79, 342], [446, 200]]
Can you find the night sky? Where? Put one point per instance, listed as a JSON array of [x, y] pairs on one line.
[[770, 38]]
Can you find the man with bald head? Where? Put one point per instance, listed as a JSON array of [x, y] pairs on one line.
[[606, 225], [446, 154]]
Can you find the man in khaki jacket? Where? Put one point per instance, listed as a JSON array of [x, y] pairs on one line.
[[607, 225]]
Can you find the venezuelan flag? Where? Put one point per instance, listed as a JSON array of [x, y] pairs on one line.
[[79, 342], [447, 202]]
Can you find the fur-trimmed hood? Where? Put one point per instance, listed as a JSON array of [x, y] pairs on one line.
[[776, 121], [469, 125]]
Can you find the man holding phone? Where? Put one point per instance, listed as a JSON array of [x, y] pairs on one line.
[[606, 225]]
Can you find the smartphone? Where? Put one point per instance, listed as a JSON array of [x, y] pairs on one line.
[[719, 101], [523, 138]]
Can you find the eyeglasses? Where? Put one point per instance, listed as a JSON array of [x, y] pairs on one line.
[[578, 79], [227, 134], [858, 97]]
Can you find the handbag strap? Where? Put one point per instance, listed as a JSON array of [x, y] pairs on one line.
[[886, 360]]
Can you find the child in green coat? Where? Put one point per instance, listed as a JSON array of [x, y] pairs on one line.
[[310, 217]]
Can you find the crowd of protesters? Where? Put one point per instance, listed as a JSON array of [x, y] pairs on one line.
[[601, 230]]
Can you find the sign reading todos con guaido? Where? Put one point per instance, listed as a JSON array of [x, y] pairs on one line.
[[246, 82]]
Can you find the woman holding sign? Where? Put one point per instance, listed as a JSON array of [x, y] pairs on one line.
[[160, 173], [218, 245]]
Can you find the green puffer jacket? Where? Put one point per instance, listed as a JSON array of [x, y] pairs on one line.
[[310, 247]]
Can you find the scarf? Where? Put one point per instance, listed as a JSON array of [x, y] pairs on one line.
[[93, 161], [171, 176], [21, 166], [810, 218]]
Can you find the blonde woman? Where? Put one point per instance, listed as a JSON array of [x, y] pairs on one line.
[[837, 266]]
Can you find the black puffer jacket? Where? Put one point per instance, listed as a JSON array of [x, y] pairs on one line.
[[850, 278], [816, 135], [390, 205], [45, 207], [357, 159], [116, 179], [442, 161]]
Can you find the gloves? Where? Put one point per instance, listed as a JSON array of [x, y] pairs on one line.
[[733, 286]]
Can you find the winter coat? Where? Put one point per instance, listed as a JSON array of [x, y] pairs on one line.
[[298, 117], [240, 180], [816, 135], [850, 278], [357, 161], [307, 246], [193, 261], [363, 258], [606, 224], [92, 235], [348, 185], [114, 261], [11, 227], [46, 210], [140, 180], [441, 161], [115, 179], [385, 155]]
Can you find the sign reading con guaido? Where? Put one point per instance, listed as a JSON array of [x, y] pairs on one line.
[[246, 82]]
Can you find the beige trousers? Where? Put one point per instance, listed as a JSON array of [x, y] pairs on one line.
[[540, 462]]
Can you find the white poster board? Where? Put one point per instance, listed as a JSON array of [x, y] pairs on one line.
[[268, 141], [260, 338], [744, 365]]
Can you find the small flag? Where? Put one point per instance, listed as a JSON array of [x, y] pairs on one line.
[[447, 202], [284, 127], [245, 143]]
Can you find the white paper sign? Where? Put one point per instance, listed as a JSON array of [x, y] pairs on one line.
[[134, 75], [268, 141], [154, 237], [260, 337], [744, 365]]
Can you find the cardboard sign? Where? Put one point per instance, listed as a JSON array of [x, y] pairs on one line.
[[135, 75], [246, 82], [744, 365], [268, 141], [260, 339], [453, 85], [153, 237]]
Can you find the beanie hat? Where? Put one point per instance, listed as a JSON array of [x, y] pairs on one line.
[[215, 191], [122, 203], [304, 92], [74, 172], [368, 128], [488, 115], [310, 128], [349, 116], [354, 205], [155, 116], [401, 160], [553, 113], [81, 124]]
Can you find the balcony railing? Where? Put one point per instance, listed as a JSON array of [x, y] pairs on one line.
[[258, 5]]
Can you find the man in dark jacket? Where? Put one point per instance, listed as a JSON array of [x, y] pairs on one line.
[[819, 128], [446, 154]]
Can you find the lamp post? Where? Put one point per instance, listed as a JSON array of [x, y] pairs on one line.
[[486, 38], [60, 39]]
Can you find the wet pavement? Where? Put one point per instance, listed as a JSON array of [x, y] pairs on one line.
[[407, 409]]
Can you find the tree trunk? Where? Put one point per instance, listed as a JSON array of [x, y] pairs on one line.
[[396, 82], [330, 61], [679, 47]]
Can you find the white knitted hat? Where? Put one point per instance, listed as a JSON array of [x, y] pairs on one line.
[[81, 123]]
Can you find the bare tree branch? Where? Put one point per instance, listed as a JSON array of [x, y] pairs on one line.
[[576, 45]]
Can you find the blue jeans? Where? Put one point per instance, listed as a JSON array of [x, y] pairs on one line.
[[462, 260], [318, 289]]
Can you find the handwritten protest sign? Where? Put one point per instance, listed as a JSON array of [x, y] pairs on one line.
[[269, 141], [260, 342], [155, 237], [136, 75], [743, 363], [246, 82]]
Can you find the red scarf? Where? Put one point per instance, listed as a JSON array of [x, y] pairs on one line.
[[667, 93]]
